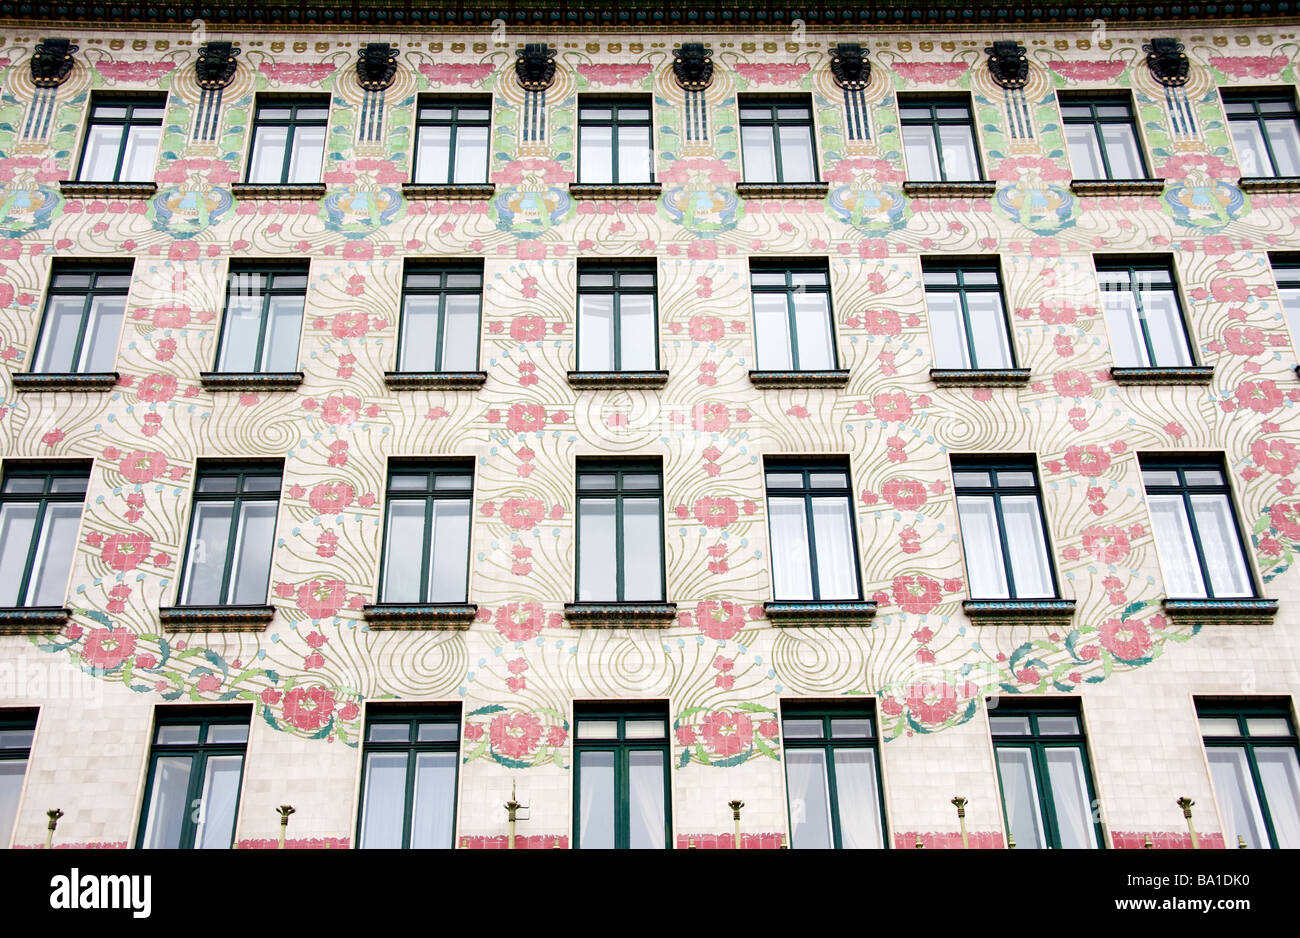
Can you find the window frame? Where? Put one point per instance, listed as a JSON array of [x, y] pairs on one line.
[[294, 103], [459, 468], [616, 103], [789, 269], [807, 467], [1222, 709], [413, 715], [1256, 96], [455, 103], [130, 102], [1107, 99], [961, 268], [88, 294], [1286, 277], [827, 711], [269, 270], [49, 472], [1133, 266], [618, 468], [622, 747], [774, 102], [934, 122], [18, 719], [443, 271], [617, 291]]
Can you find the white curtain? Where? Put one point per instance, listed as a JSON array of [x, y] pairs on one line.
[[837, 575], [1236, 796], [1280, 776], [983, 549], [646, 796], [1220, 546], [1070, 796], [11, 786], [1020, 794], [432, 813], [858, 801], [1174, 546], [217, 806], [809, 802]]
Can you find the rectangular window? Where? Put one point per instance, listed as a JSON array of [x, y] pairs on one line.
[[122, 139], [832, 771], [263, 322], [1043, 768], [1287, 272], [614, 137], [408, 789], [776, 140], [1266, 130], [814, 544], [620, 532], [289, 140], [794, 329], [84, 309], [1198, 540], [1253, 757], [440, 318], [1002, 531], [939, 140], [620, 792], [232, 531], [1144, 315], [196, 765], [968, 319], [451, 140], [40, 513], [1102, 137], [426, 533], [17, 727], [617, 318]]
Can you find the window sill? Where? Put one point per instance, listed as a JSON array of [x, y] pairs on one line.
[[1196, 374], [1221, 611], [33, 620], [589, 380], [1019, 611], [1269, 183], [420, 616], [428, 191], [799, 379], [97, 381], [813, 614], [615, 190], [782, 190], [216, 618], [980, 377], [250, 381], [937, 188], [73, 189], [434, 380], [292, 191], [620, 615], [1117, 186]]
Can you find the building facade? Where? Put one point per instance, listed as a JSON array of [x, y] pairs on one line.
[[644, 415]]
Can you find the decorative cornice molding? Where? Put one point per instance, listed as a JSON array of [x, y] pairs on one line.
[[621, 615], [434, 380], [1222, 611], [838, 378], [376, 65], [1008, 63], [215, 66], [850, 66], [591, 380], [1019, 611], [430, 191], [34, 620], [814, 614], [615, 190], [250, 381], [980, 377], [52, 62], [94, 381], [216, 618], [693, 65], [1096, 187], [1269, 183], [1192, 374], [276, 191], [1167, 61], [420, 616], [535, 66], [77, 189], [957, 189], [782, 190]]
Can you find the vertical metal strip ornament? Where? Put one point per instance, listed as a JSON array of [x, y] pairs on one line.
[[852, 72], [1170, 66], [535, 71], [693, 70], [51, 64], [376, 72], [1009, 69], [214, 69]]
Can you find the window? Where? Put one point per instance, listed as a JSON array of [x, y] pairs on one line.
[[426, 539], [17, 727], [1102, 138], [408, 790], [451, 140], [195, 768], [440, 318], [617, 318], [1197, 538], [967, 318], [1253, 762], [939, 140], [1266, 131], [793, 327], [1002, 530], [621, 790], [232, 531], [289, 140], [776, 140], [614, 140], [122, 139], [263, 321], [832, 770], [1043, 767], [814, 545], [40, 512], [620, 532], [1144, 315], [1287, 273], [84, 309]]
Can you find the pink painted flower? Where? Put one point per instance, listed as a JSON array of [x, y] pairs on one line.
[[775, 73], [711, 417], [341, 409], [931, 72], [556, 737], [519, 622], [320, 599], [916, 593], [727, 732], [526, 418], [1263, 397], [309, 708], [882, 322], [446, 73], [1090, 460], [932, 702], [615, 74], [124, 552], [208, 683], [522, 514], [157, 388], [145, 662], [706, 328], [1109, 544], [142, 467], [171, 317], [349, 712], [528, 328], [1127, 641], [296, 73], [330, 498], [719, 619], [1277, 456], [271, 696], [892, 407], [685, 735], [716, 512], [904, 494], [108, 648], [349, 325], [1072, 384], [515, 735], [1250, 66], [1094, 72]]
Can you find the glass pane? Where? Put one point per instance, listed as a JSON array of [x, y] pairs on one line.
[[178, 735], [596, 154], [802, 729], [970, 478], [959, 160], [785, 480], [1159, 477], [1203, 477], [1074, 824], [216, 827], [453, 483], [1219, 726], [922, 157], [810, 810], [308, 152], [642, 564], [596, 800], [58, 350], [759, 151], [1285, 140], [1267, 726], [17, 524], [99, 347], [837, 573], [389, 733], [16, 739], [1058, 726], [440, 732], [820, 479], [1085, 153], [167, 802], [1174, 547], [1012, 478], [54, 553], [209, 546], [640, 480], [1020, 797], [596, 332], [594, 280], [1029, 563], [267, 162], [99, 161], [791, 570], [1248, 137], [11, 787], [988, 326], [433, 813], [227, 733], [471, 154], [1010, 726], [644, 729], [598, 561], [772, 332], [449, 553], [637, 332], [1280, 777], [634, 154], [948, 329], [1126, 342], [283, 330], [797, 163], [1220, 546], [598, 729], [812, 318], [850, 729], [251, 571], [1165, 325], [982, 547], [243, 324], [1235, 792], [419, 334], [596, 480], [402, 559], [433, 154], [1122, 151], [460, 334], [266, 483], [224, 483], [646, 810], [857, 799], [141, 153], [25, 486], [384, 809]]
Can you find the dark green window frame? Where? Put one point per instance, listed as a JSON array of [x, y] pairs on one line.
[[93, 287], [808, 469], [774, 120], [587, 468], [1260, 118], [292, 122], [17, 731], [127, 122], [934, 122], [616, 121], [454, 122], [436, 473], [1095, 119], [432, 279], [200, 752], [273, 285], [240, 472], [1242, 713], [1148, 277], [446, 717], [1286, 273], [789, 289], [621, 747], [618, 290], [1039, 743], [49, 476], [829, 713], [998, 490], [962, 289]]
